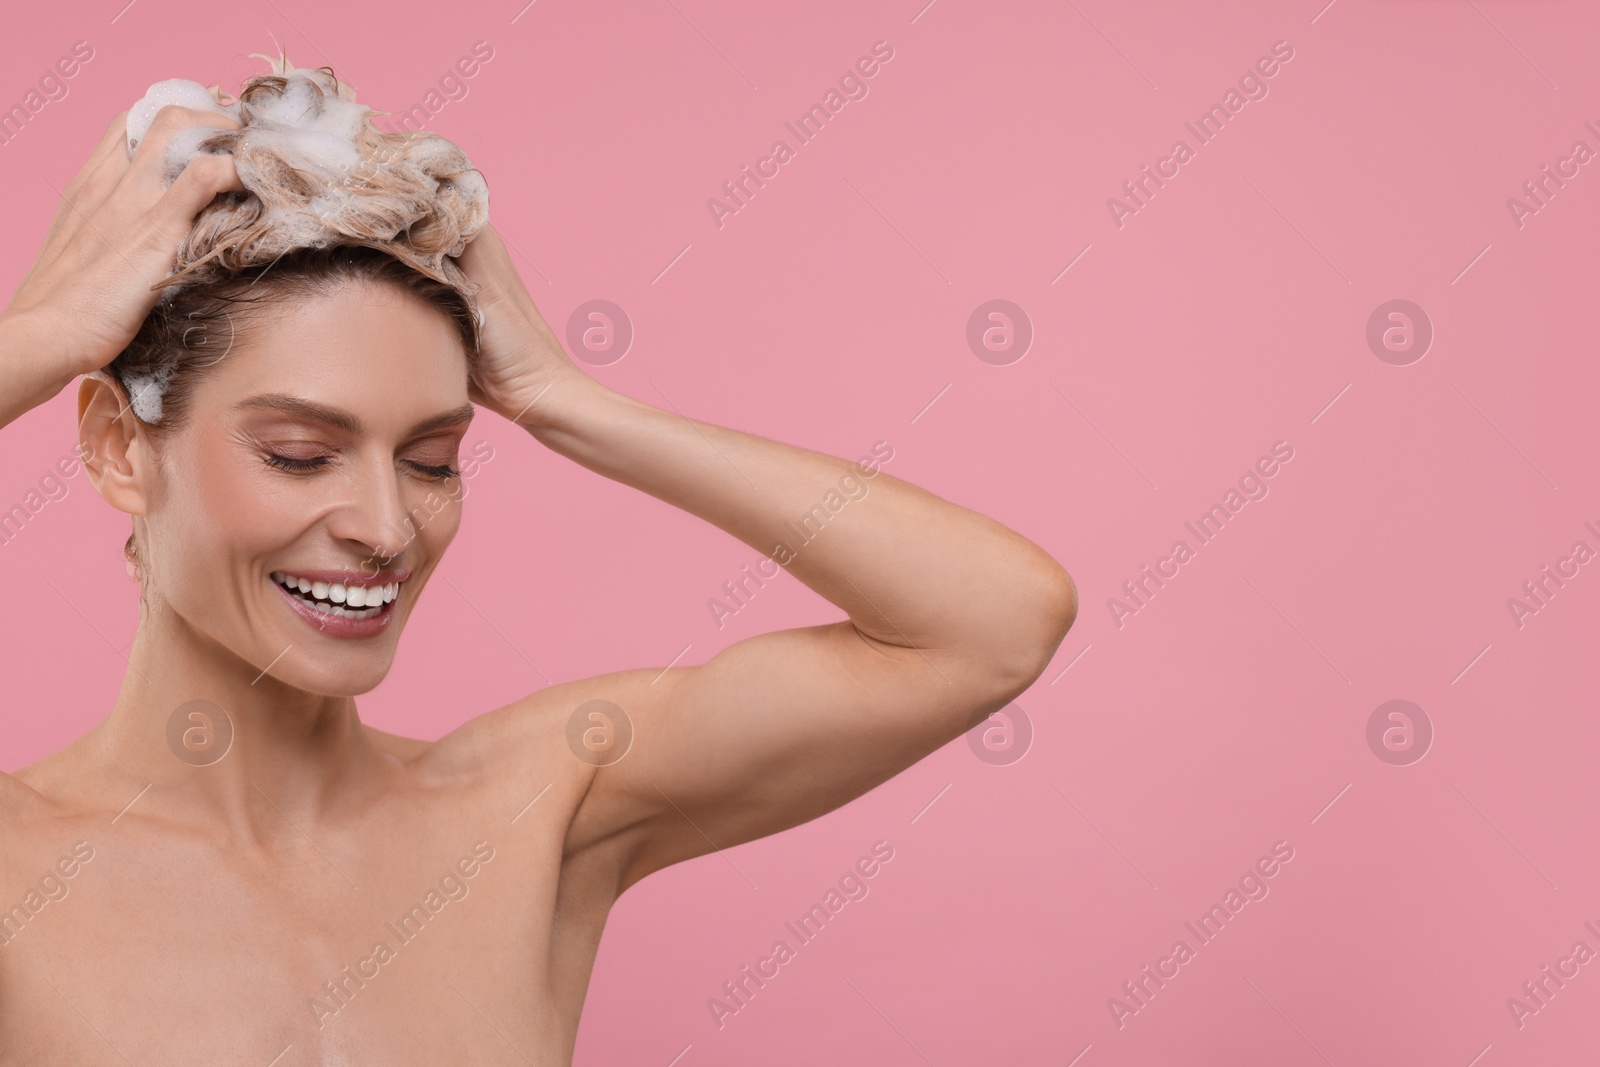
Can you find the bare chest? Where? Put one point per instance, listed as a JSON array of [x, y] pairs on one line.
[[449, 938]]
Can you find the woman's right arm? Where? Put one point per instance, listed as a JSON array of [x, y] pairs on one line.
[[27, 382], [114, 236]]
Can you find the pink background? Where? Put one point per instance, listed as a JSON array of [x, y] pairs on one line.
[[1228, 314]]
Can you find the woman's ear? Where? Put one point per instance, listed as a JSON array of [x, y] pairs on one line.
[[114, 448]]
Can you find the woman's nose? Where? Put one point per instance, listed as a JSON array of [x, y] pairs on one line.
[[373, 513]]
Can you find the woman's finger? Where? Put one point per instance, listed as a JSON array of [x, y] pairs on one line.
[[167, 222], [485, 259], [102, 181], [152, 150], [87, 190], [115, 137], [144, 183]]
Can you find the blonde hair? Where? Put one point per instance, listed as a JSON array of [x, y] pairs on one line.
[[412, 195], [412, 200]]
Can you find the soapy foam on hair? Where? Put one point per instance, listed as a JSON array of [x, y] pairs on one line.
[[317, 173], [145, 392], [177, 91]]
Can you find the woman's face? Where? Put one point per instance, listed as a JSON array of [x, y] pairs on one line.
[[321, 450]]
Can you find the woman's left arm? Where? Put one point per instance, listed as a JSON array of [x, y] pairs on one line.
[[951, 614]]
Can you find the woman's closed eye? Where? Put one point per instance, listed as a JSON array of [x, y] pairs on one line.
[[440, 471], [302, 465], [293, 463]]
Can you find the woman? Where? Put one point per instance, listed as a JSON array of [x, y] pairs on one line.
[[253, 873]]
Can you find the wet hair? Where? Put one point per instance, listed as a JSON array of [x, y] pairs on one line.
[[300, 229]]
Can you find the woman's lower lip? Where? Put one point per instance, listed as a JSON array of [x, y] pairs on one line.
[[335, 625]]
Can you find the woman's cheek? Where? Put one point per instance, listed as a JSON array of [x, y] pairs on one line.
[[438, 515], [259, 505], [242, 510]]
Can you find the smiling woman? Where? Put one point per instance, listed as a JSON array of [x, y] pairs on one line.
[[271, 445], [275, 408], [184, 341]]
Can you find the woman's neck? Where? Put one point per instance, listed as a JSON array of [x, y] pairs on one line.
[[224, 743]]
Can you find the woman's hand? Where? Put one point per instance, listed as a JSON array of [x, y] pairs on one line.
[[115, 235], [519, 357]]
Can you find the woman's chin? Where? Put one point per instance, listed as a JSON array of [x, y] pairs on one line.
[[347, 669], [332, 683]]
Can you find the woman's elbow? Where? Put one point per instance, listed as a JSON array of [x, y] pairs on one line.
[[1044, 615], [1059, 612]]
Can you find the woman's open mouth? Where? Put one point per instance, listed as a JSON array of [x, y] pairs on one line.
[[356, 606]]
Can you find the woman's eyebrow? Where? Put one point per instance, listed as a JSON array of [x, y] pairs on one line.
[[445, 420], [344, 420]]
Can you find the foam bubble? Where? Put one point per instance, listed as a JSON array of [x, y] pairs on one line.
[[179, 91], [316, 173], [310, 125], [184, 146], [145, 392], [303, 126]]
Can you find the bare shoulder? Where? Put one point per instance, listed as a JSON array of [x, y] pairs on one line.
[[22, 810], [20, 802]]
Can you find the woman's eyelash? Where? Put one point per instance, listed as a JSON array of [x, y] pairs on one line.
[[440, 471], [289, 463]]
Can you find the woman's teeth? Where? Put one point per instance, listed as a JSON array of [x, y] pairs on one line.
[[345, 601]]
